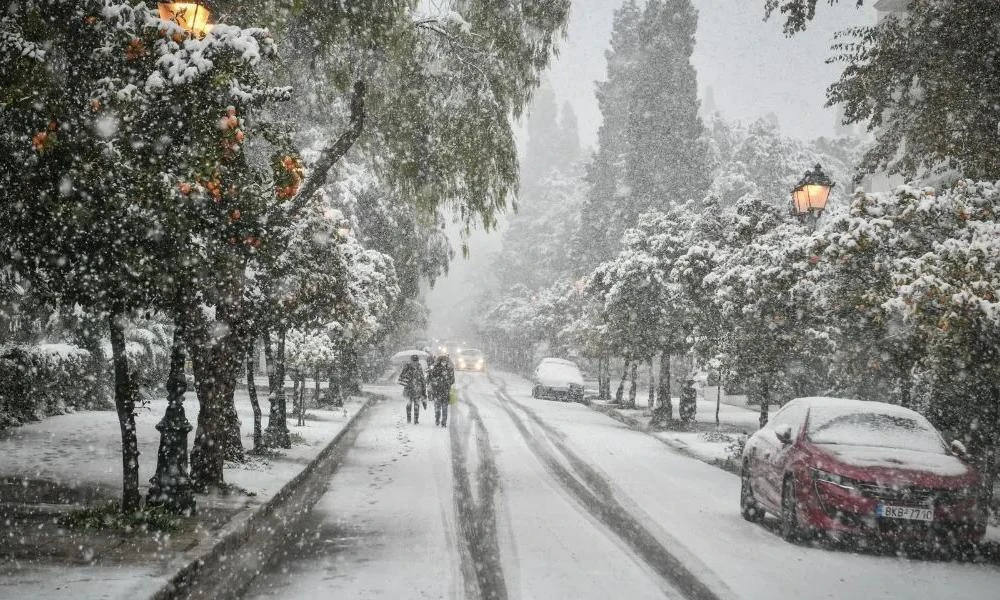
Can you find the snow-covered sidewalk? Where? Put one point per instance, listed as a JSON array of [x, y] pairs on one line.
[[716, 444], [70, 461]]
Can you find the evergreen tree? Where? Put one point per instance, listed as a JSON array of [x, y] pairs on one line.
[[667, 156], [568, 147], [594, 241], [543, 150]]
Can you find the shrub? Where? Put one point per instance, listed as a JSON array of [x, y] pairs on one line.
[[42, 380]]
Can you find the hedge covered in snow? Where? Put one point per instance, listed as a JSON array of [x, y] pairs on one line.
[[41, 380]]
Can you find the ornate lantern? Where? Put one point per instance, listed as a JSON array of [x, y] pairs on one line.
[[193, 17]]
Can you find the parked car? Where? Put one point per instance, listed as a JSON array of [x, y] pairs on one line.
[[470, 359], [558, 379], [868, 469]]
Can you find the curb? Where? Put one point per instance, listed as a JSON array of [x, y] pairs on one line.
[[225, 566]]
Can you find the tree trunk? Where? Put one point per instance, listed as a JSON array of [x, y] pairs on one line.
[[620, 392], [765, 400], [606, 390], [269, 361], [95, 395], [905, 390], [600, 378], [665, 411], [234, 450], [718, 400], [633, 383], [217, 361], [126, 395], [302, 397], [651, 402], [333, 388], [277, 424], [258, 434], [350, 381], [316, 380]]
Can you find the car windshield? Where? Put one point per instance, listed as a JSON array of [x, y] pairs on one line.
[[874, 429]]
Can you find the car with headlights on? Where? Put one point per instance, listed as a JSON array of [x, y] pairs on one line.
[[558, 379], [470, 359], [850, 468]]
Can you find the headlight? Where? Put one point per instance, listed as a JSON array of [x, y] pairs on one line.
[[826, 476]]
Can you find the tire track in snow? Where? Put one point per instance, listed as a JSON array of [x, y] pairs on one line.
[[598, 497], [477, 520]]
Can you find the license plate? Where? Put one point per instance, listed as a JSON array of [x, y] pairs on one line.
[[911, 513]]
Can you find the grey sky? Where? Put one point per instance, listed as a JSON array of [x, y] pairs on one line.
[[752, 68]]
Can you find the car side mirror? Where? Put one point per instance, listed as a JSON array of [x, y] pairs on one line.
[[784, 433], [959, 449]]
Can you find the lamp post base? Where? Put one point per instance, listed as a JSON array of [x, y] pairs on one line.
[[170, 487]]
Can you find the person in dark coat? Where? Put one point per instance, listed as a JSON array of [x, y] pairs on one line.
[[440, 377], [414, 388]]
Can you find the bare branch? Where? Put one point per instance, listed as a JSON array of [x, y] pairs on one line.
[[332, 153]]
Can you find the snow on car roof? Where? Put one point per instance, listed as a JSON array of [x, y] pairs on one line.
[[831, 405], [561, 361], [871, 424]]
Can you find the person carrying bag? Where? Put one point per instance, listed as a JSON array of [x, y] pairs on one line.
[[414, 388]]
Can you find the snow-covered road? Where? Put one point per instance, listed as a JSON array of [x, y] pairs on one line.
[[522, 498]]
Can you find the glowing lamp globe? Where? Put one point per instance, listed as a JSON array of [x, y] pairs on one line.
[[812, 193], [192, 17]]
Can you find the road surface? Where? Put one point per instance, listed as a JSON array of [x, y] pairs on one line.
[[523, 498]]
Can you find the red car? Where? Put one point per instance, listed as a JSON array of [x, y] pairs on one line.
[[852, 468]]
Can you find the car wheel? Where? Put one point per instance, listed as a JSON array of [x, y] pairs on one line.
[[789, 512], [749, 508]]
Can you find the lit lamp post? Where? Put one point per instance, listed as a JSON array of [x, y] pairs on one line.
[[170, 486], [192, 17], [344, 229], [810, 196]]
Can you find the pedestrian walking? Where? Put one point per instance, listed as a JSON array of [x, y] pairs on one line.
[[414, 388], [440, 377]]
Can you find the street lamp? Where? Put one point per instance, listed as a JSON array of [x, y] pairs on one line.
[[192, 17], [170, 486], [811, 194], [344, 229]]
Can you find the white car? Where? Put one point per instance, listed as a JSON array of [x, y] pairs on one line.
[[559, 379], [470, 359]]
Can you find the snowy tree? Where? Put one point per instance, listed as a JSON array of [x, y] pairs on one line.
[[763, 292], [925, 83], [911, 291], [595, 242], [126, 180], [642, 303], [535, 245], [666, 159]]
